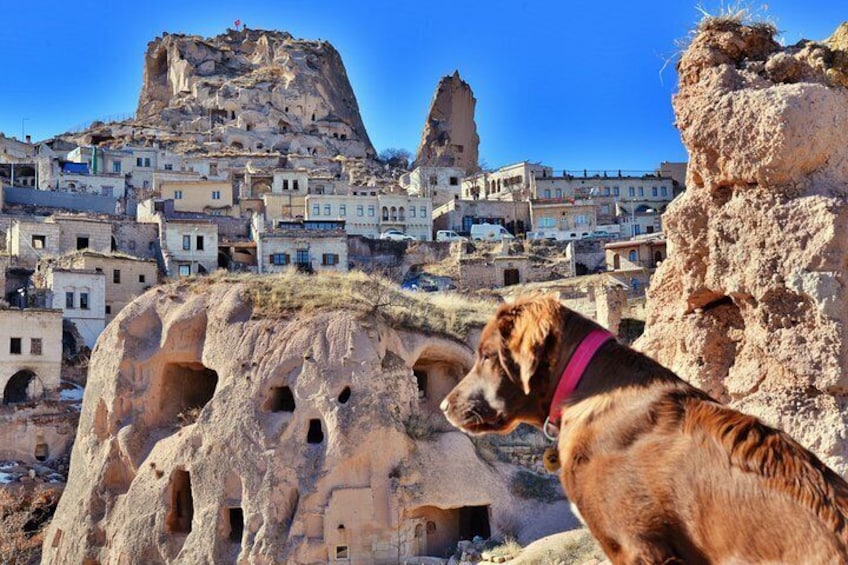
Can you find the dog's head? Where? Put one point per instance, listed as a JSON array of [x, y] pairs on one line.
[[509, 382]]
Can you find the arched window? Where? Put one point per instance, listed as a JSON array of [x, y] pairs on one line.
[[658, 257], [616, 261], [559, 193], [394, 214], [385, 214], [402, 214]]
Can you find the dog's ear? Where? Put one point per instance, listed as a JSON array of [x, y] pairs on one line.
[[524, 329]]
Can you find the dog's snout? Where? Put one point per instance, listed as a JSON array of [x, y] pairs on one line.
[[444, 405]]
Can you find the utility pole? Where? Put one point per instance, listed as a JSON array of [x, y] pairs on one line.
[[23, 131]]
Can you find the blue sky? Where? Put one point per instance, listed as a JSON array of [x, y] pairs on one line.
[[572, 84]]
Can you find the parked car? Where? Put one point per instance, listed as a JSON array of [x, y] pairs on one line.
[[449, 235], [428, 283], [395, 235], [489, 232]]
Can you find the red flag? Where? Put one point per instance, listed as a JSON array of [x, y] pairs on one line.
[[237, 23]]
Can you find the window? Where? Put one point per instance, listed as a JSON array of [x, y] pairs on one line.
[[637, 229], [139, 162], [280, 259], [423, 212], [107, 190], [654, 191], [216, 195], [83, 301], [664, 191], [606, 191], [200, 243], [35, 346], [641, 191], [615, 190], [185, 270], [142, 279], [631, 191], [385, 215], [632, 255], [342, 210], [82, 242], [547, 193], [285, 184], [147, 161], [330, 259], [178, 195], [371, 211], [559, 193], [294, 184], [69, 301], [169, 167], [39, 241], [15, 345], [116, 167], [316, 210], [116, 276], [454, 181], [360, 211], [342, 552], [547, 222], [303, 257], [186, 242], [213, 169], [108, 308], [412, 212], [327, 210]]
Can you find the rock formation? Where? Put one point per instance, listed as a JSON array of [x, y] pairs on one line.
[[751, 303], [450, 135], [218, 425], [253, 90]]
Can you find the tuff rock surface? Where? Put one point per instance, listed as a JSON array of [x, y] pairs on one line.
[[450, 135], [751, 303], [211, 433], [268, 83]]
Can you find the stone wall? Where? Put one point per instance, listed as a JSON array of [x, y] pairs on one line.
[[64, 200]]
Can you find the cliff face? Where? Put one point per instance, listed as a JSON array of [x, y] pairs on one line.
[[253, 87], [751, 304], [450, 135], [215, 432]]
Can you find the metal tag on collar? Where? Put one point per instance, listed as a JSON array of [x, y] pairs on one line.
[[550, 430]]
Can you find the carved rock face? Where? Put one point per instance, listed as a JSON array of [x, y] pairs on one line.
[[210, 433], [268, 87]]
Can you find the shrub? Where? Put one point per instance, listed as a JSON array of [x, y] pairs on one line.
[[425, 425], [530, 485]]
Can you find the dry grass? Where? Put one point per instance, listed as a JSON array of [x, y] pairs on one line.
[[290, 292], [731, 15], [24, 513]]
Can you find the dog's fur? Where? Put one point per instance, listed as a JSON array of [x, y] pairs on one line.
[[659, 471]]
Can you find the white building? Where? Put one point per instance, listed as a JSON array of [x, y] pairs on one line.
[[81, 295], [369, 214], [512, 182], [440, 184], [294, 245]]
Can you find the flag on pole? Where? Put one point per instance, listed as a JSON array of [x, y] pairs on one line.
[[237, 23]]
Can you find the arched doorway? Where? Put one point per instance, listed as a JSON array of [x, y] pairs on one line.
[[16, 389]]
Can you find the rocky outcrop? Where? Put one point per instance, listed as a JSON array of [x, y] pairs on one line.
[[220, 426], [751, 303], [253, 90], [450, 135]]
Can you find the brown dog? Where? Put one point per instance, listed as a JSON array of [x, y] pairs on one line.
[[659, 471]]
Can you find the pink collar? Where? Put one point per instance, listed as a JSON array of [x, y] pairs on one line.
[[570, 378]]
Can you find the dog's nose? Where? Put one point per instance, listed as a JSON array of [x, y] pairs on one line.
[[444, 405]]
